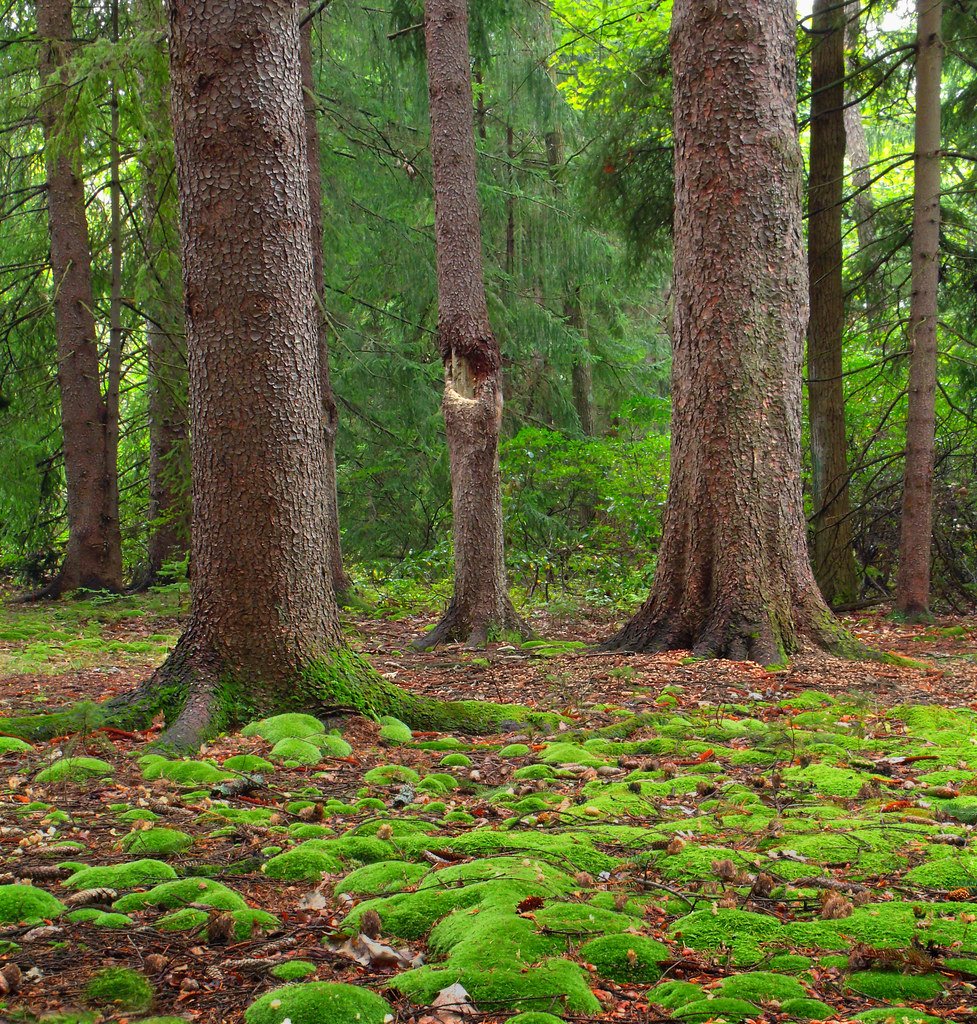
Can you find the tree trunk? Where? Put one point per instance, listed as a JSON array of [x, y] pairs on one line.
[[93, 559], [472, 402], [863, 201], [582, 371], [913, 579], [834, 559], [169, 436], [734, 577], [341, 582]]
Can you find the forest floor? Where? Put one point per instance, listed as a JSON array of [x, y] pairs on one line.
[[693, 841]]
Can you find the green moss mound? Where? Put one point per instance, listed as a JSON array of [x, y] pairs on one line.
[[293, 970], [456, 761], [514, 750], [309, 861], [157, 842], [388, 774], [248, 763], [331, 745], [284, 727], [382, 878], [394, 731], [13, 745], [626, 958], [762, 987], [807, 1009], [121, 876], [295, 751], [26, 904], [897, 1015], [316, 1002], [673, 994], [100, 918], [892, 987], [75, 769], [556, 983], [579, 921], [181, 893], [732, 1010], [121, 987]]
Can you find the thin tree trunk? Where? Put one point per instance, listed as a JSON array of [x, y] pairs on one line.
[[93, 559], [341, 582], [582, 372], [834, 559], [169, 435], [472, 402], [916, 537], [863, 200], [734, 576]]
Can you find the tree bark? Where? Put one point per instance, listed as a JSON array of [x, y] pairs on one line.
[[857, 145], [472, 402], [341, 582], [582, 372], [93, 559], [834, 559], [734, 577], [916, 536], [166, 378]]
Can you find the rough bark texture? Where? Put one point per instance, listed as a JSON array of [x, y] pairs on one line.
[[582, 372], [734, 577], [169, 435], [341, 582], [834, 559], [913, 580], [93, 558], [857, 145], [472, 402]]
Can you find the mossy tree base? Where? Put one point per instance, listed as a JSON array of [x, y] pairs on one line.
[[199, 697]]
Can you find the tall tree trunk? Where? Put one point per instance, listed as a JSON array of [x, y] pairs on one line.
[[834, 559], [169, 435], [913, 579], [734, 577], [472, 402], [330, 415], [93, 558]]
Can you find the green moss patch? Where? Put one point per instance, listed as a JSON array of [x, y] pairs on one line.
[[626, 958], [157, 842], [27, 904], [121, 876], [284, 727], [75, 769], [315, 1002], [120, 987]]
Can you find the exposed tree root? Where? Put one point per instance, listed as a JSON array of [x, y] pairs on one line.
[[198, 698], [473, 629]]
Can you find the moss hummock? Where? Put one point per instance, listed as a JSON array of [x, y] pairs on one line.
[[157, 842], [732, 1010], [896, 988], [121, 876], [293, 970], [626, 958], [75, 769], [316, 1002], [121, 987], [27, 904]]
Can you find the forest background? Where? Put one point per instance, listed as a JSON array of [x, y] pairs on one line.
[[573, 130]]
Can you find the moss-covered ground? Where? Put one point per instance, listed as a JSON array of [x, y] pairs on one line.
[[695, 842]]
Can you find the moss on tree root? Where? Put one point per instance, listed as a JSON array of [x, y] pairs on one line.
[[197, 704]]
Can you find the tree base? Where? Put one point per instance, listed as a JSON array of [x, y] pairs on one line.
[[199, 698], [474, 631], [764, 640]]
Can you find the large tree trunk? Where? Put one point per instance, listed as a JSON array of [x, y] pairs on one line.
[[734, 577], [93, 558], [913, 580], [472, 402], [169, 436], [834, 559], [341, 582]]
